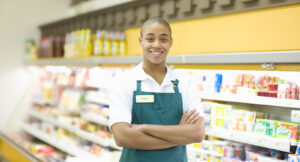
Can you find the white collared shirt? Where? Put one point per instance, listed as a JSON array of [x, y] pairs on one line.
[[121, 95]]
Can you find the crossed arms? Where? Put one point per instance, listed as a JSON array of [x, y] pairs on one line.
[[153, 137]]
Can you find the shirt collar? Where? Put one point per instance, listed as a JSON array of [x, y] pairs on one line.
[[143, 76]]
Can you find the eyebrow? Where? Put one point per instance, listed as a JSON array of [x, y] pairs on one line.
[[151, 34]]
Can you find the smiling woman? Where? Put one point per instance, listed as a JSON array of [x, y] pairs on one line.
[[154, 112]]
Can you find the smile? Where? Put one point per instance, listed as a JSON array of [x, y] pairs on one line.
[[156, 53]]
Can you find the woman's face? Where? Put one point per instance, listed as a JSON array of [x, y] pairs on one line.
[[156, 42]]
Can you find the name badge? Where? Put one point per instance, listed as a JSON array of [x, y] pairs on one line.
[[144, 98]]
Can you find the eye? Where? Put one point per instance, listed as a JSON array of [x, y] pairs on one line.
[[149, 39], [164, 40]]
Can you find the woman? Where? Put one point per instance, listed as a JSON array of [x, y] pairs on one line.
[[155, 112]]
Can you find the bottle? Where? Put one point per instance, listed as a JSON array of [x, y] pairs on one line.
[[77, 44], [106, 44], [114, 43], [87, 44], [98, 43], [122, 44]]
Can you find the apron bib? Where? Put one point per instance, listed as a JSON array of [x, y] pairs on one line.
[[166, 109]]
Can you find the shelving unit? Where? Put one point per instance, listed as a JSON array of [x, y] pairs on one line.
[[99, 100], [282, 57], [80, 133], [94, 118], [250, 138], [70, 149], [258, 100]]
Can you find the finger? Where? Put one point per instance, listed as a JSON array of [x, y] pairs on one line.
[[195, 119], [192, 117], [184, 116], [190, 113]]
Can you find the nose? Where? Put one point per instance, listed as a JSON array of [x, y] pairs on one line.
[[156, 44]]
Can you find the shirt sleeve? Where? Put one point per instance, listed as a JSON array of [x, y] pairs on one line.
[[193, 97], [120, 105]]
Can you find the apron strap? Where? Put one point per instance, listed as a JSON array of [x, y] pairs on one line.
[[138, 85], [175, 85]]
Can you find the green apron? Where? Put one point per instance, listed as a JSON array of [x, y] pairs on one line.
[[166, 109]]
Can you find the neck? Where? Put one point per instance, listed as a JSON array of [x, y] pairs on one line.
[[156, 71]]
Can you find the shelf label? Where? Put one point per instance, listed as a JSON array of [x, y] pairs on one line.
[[295, 116]]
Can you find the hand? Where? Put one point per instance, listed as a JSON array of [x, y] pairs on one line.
[[189, 117]]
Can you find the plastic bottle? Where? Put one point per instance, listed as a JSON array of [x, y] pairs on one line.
[[77, 44], [87, 44], [114, 43], [106, 44], [98, 43], [122, 44]]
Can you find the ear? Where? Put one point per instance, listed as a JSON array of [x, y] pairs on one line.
[[140, 41]]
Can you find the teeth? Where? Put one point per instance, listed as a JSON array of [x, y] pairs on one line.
[[156, 53]]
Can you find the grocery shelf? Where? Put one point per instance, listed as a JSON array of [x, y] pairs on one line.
[[258, 100], [43, 103], [113, 144], [51, 120], [250, 138], [94, 118], [80, 133], [219, 58], [70, 149], [91, 137], [99, 100]]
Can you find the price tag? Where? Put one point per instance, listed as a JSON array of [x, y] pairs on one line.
[[276, 143], [295, 116], [259, 140]]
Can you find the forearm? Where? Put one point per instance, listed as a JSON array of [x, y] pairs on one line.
[[179, 134], [133, 138]]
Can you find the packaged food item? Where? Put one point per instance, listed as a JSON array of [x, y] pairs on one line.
[[221, 115], [228, 151], [266, 127], [218, 82], [240, 80], [218, 147], [252, 81], [242, 120], [207, 107], [287, 130]]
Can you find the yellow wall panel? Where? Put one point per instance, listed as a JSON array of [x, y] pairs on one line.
[[133, 47], [273, 29], [11, 154]]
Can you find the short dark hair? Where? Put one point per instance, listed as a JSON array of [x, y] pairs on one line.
[[152, 20]]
